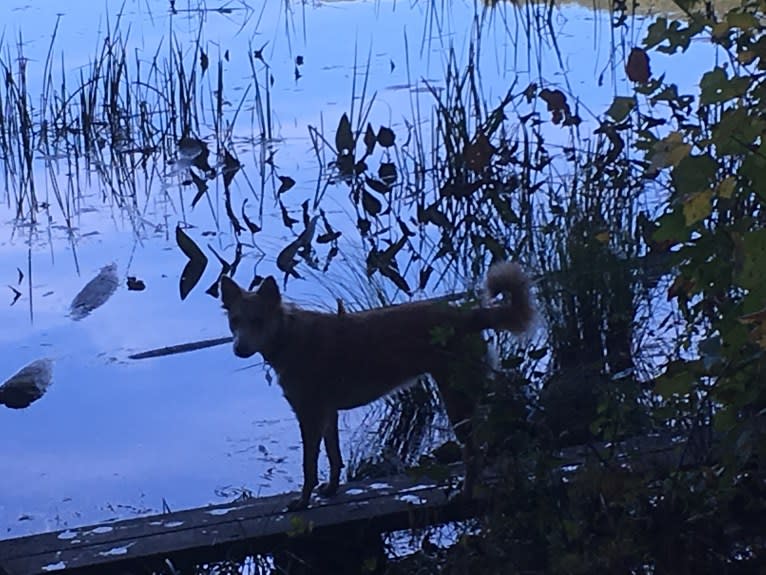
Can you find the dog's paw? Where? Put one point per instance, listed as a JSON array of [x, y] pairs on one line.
[[327, 489], [297, 504]]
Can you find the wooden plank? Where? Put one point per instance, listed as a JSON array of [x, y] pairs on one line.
[[211, 533], [260, 525]]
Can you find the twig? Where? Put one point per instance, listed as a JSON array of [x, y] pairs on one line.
[[181, 348]]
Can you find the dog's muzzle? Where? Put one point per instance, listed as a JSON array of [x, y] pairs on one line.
[[242, 351]]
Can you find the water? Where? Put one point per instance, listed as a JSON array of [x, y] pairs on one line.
[[115, 437]]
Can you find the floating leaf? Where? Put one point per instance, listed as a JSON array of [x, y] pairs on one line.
[[344, 137], [287, 183], [386, 137], [27, 385], [203, 61], [135, 284], [95, 293], [196, 265]]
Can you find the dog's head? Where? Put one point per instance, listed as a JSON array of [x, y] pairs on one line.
[[255, 317]]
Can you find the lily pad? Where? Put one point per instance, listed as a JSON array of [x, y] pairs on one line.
[[27, 385], [95, 293]]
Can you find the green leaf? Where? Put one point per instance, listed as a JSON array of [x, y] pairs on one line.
[[672, 227], [716, 87], [675, 381], [753, 274], [620, 108], [725, 419], [697, 207], [736, 131], [694, 173]]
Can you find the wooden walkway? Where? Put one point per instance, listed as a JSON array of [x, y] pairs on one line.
[[232, 531], [176, 542]]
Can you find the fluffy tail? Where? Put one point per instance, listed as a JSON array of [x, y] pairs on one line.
[[515, 311]]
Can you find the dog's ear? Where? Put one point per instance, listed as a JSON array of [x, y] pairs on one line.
[[231, 293], [269, 291]]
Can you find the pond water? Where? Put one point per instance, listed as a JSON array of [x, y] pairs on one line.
[[114, 437]]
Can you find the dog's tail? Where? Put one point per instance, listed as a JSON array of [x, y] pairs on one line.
[[515, 312]]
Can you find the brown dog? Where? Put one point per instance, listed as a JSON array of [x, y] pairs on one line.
[[331, 361]]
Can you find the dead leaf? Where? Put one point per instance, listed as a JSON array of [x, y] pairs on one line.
[[638, 68], [95, 293], [27, 385]]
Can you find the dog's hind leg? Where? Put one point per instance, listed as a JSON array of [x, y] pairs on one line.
[[332, 446], [460, 408], [311, 424]]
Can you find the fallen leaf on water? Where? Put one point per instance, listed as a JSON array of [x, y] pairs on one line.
[[95, 293], [27, 385], [135, 284]]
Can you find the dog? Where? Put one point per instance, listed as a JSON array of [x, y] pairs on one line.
[[326, 362]]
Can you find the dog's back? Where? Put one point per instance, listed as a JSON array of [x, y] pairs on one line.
[[361, 356]]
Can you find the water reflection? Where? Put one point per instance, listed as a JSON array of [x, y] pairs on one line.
[[113, 437]]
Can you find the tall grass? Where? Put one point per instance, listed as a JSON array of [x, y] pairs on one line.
[[113, 125]]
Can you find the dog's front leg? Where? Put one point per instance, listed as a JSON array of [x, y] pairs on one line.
[[311, 435], [332, 446]]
